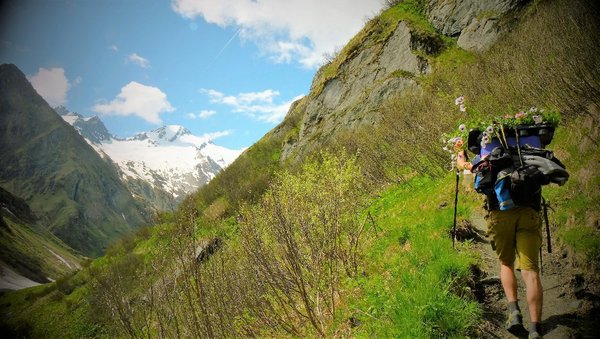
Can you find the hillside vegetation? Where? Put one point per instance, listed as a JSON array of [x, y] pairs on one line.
[[29, 249], [353, 240]]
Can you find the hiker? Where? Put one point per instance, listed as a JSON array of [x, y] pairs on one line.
[[516, 238]]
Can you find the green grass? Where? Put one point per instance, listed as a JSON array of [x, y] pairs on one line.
[[415, 284], [45, 312], [577, 203], [61, 309], [27, 248]]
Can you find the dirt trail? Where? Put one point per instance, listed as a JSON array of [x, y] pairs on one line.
[[570, 310]]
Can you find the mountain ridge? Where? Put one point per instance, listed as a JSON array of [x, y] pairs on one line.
[[76, 194], [160, 166]]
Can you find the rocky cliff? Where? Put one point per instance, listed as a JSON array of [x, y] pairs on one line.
[[477, 24], [387, 57]]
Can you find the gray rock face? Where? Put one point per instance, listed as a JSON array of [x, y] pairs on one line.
[[474, 22], [398, 53], [363, 83], [378, 70], [479, 35]]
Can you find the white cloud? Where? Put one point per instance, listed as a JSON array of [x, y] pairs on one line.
[[139, 60], [204, 114], [146, 102], [114, 48], [204, 138], [215, 135], [52, 85], [258, 105], [299, 30]]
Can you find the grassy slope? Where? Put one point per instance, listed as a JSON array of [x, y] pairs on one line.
[[413, 280], [577, 204], [28, 250], [411, 276], [28, 247]]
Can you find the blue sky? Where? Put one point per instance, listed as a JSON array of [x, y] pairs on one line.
[[226, 68]]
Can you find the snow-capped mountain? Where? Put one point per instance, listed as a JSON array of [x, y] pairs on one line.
[[91, 128], [170, 158]]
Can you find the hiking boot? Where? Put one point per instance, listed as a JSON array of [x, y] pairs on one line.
[[534, 335], [514, 322]]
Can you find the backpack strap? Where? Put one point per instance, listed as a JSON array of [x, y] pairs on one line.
[[518, 146]]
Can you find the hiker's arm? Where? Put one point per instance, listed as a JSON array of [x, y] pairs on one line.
[[462, 162]]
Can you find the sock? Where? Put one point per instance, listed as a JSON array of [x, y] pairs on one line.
[[534, 327], [513, 306]]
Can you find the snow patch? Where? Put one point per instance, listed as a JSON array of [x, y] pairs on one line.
[[63, 260], [169, 157], [70, 119], [11, 280]]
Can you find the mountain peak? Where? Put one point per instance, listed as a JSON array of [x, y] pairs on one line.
[[171, 132], [91, 128], [164, 134]]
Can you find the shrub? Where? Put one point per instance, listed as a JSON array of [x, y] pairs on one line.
[[303, 237]]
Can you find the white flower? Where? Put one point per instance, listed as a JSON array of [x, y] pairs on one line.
[[533, 109], [462, 108], [462, 128], [453, 156], [485, 134], [445, 149], [490, 130], [485, 139], [459, 101], [538, 119]]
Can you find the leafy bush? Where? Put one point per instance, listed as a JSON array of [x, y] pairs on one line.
[[303, 237], [64, 284]]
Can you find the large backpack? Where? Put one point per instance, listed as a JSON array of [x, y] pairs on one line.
[[514, 175]]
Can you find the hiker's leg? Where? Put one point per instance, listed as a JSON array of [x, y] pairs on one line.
[[535, 297], [509, 282], [529, 240], [502, 228]]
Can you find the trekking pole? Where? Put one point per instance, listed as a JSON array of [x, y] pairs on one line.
[[547, 224], [541, 263], [455, 207]]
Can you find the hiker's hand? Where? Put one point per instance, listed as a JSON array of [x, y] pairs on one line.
[[461, 161]]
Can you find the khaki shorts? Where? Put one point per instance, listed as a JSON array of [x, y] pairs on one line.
[[517, 234]]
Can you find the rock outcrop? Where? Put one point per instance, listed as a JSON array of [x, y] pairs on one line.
[[352, 88], [366, 79], [477, 24]]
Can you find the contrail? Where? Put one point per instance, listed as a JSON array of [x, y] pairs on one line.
[[223, 49], [228, 42]]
